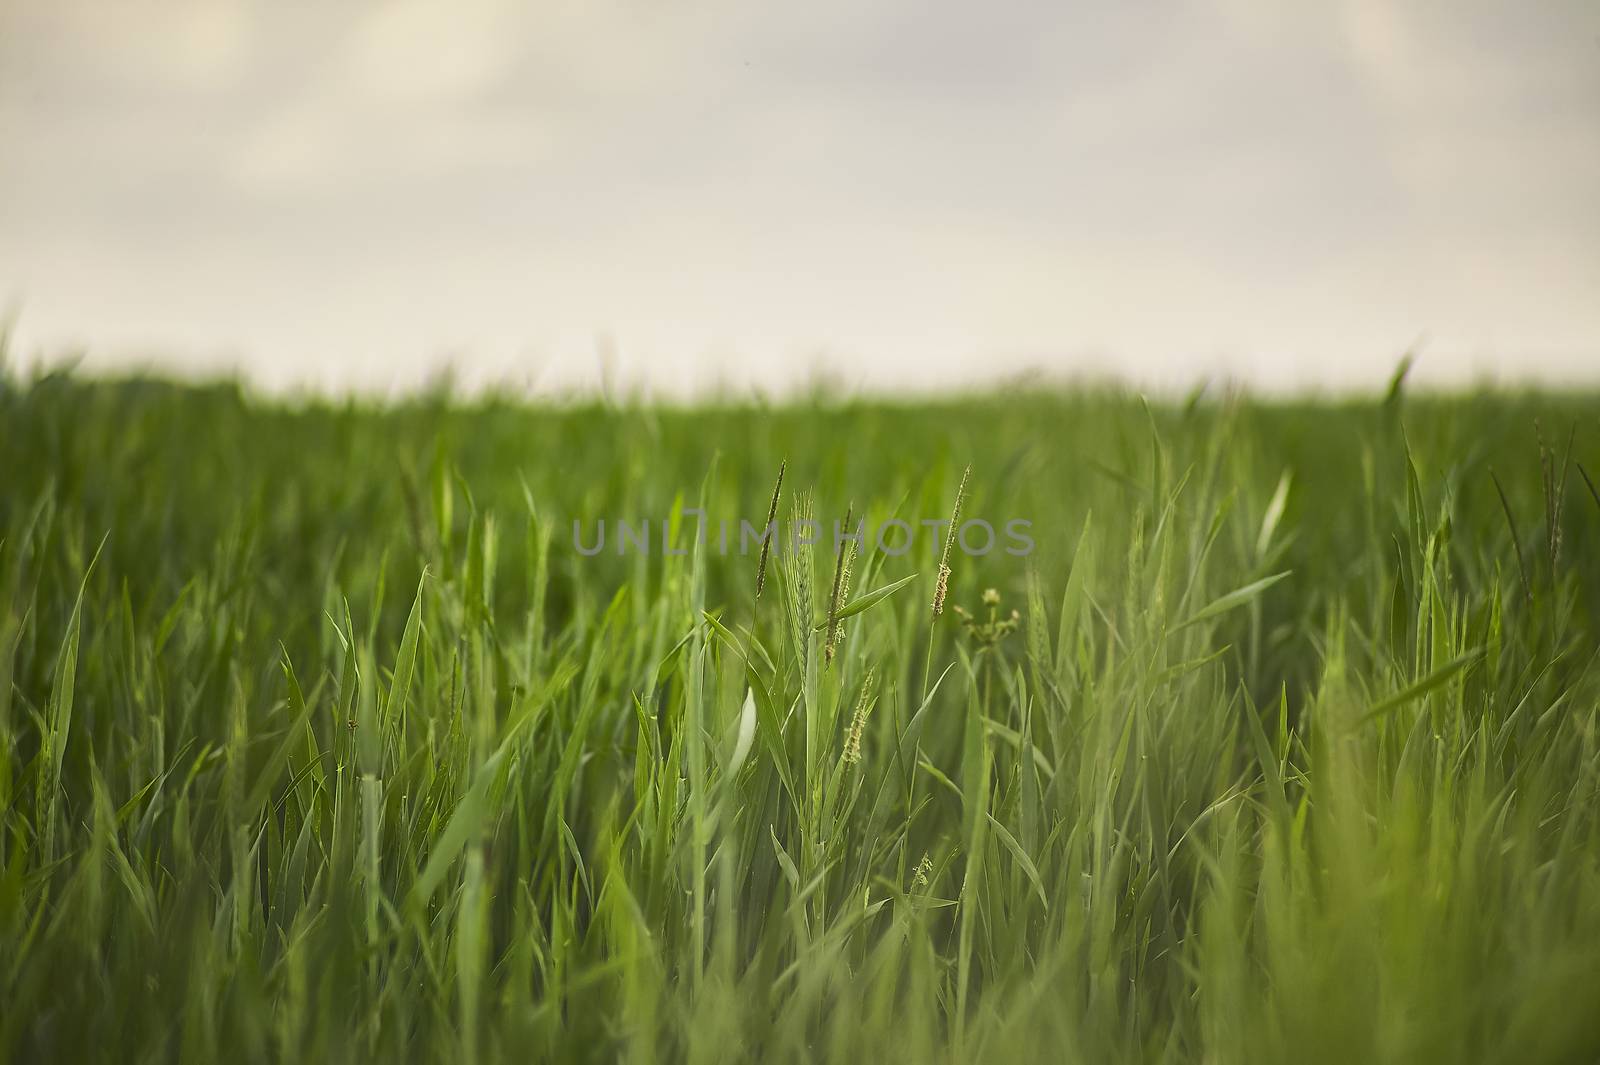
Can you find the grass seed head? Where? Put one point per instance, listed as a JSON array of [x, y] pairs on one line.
[[844, 584], [766, 530], [941, 587], [841, 589], [858, 722]]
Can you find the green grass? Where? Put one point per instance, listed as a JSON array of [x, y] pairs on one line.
[[322, 742]]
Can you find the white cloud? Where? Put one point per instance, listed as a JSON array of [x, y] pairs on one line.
[[910, 186], [417, 51]]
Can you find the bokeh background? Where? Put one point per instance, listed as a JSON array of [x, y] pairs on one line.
[[691, 195]]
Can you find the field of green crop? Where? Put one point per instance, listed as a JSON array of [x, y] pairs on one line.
[[324, 740]]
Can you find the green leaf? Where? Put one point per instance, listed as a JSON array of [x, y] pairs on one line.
[[870, 599], [58, 713], [1028, 868], [405, 662], [1422, 687], [1236, 598], [464, 822]]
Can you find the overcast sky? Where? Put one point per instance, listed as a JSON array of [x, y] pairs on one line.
[[894, 192]]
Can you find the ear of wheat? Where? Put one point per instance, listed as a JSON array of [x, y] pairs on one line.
[[802, 604]]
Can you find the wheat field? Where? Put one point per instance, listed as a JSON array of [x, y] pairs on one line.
[[329, 735]]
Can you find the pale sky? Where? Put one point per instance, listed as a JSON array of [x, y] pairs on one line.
[[893, 193]]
